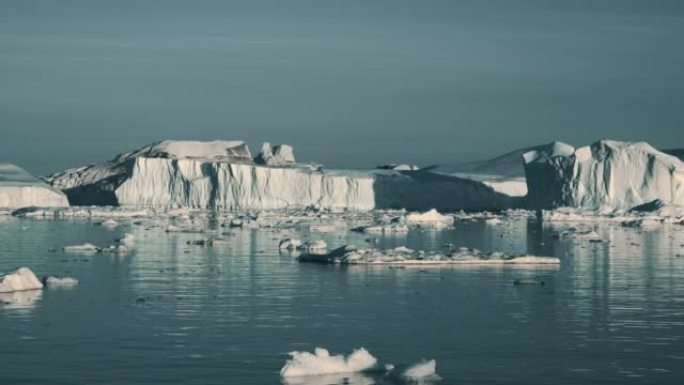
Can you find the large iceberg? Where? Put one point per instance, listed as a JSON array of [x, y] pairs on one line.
[[607, 174], [19, 189], [223, 176]]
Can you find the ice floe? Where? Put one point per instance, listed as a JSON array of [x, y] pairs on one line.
[[52, 281], [19, 280], [431, 218], [321, 362], [352, 255]]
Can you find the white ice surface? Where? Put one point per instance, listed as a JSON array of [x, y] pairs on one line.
[[19, 280], [19, 189], [321, 362], [60, 281], [607, 174], [431, 218]]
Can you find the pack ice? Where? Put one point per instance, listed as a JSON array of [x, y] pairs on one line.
[[222, 175], [19, 189], [605, 175]]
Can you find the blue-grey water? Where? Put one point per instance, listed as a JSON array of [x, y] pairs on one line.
[[169, 313]]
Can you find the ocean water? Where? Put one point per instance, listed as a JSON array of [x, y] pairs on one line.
[[172, 313]]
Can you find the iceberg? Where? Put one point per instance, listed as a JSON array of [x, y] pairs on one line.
[[19, 189], [607, 175], [221, 175], [430, 218], [321, 362], [19, 280]]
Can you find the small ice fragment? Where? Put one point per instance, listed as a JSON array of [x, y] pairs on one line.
[[60, 281]]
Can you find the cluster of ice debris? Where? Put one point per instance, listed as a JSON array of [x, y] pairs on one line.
[[320, 362], [352, 255], [120, 246], [23, 279]]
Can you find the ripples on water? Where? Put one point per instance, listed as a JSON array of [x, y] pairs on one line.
[[613, 312]]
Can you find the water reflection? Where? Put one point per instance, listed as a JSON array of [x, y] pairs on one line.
[[24, 301], [331, 379]]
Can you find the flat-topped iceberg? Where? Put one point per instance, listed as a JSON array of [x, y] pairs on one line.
[[352, 255], [19, 280], [221, 175], [19, 189], [605, 175]]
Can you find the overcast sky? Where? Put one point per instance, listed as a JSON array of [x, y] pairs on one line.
[[348, 83]]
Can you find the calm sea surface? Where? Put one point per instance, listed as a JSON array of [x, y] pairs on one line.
[[171, 313]]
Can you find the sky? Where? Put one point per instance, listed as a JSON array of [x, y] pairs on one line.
[[350, 83]]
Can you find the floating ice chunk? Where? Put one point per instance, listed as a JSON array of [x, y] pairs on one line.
[[351, 255], [60, 281], [321, 362], [127, 240], [317, 246], [421, 371], [430, 218], [19, 280], [86, 247], [579, 235], [109, 223], [289, 244]]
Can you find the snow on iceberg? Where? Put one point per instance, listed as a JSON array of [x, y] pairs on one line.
[[321, 362], [352, 255], [19, 280], [605, 175], [222, 176], [278, 155], [19, 189]]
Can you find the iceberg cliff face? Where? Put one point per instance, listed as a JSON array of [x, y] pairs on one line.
[[19, 189], [177, 180], [612, 174]]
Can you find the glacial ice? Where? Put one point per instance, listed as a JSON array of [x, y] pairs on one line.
[[352, 255], [223, 177], [60, 281], [19, 189], [607, 175], [321, 362], [421, 371], [84, 248], [278, 155], [19, 280], [430, 218]]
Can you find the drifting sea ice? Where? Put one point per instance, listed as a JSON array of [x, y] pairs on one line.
[[60, 281], [321, 362], [352, 255], [431, 218], [19, 280]]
